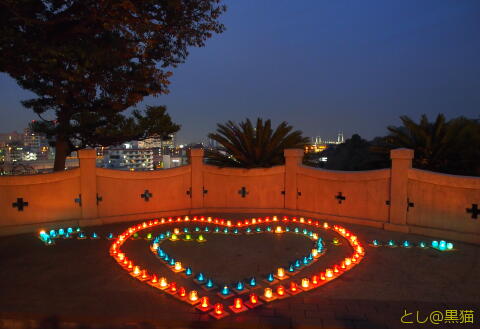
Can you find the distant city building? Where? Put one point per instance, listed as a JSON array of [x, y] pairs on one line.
[[319, 145]]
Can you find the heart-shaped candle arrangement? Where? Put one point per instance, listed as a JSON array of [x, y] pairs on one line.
[[256, 296], [240, 287]]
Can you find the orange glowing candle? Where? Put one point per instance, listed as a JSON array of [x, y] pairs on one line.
[[329, 273], [130, 265], [278, 229], [281, 272], [136, 270], [314, 253], [193, 295], [163, 282], [305, 283], [121, 256], [144, 274], [348, 261], [178, 266], [268, 293]]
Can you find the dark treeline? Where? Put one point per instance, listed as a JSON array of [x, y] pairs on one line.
[[451, 147]]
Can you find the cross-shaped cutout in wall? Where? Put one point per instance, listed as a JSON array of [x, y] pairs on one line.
[[410, 204], [243, 192], [146, 195], [340, 197], [20, 204], [475, 211], [189, 192]]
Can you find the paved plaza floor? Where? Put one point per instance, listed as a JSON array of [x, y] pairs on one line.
[[76, 284]]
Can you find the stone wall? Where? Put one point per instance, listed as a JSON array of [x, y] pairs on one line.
[[400, 199]]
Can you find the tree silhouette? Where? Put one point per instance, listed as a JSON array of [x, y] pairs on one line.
[[246, 146], [90, 60]]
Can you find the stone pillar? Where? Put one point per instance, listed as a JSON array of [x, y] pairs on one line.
[[293, 159], [196, 161], [88, 183], [401, 164]]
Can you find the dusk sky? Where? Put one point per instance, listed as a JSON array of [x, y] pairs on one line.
[[323, 66]]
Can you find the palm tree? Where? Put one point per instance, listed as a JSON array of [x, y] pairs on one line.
[[246, 146]]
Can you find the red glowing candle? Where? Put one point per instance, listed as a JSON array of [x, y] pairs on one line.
[[315, 279], [238, 303], [280, 290], [204, 302], [173, 286], [182, 292], [218, 309], [322, 276], [335, 269], [293, 286], [253, 298], [154, 279], [144, 274]]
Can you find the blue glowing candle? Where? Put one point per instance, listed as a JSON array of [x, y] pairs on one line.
[[305, 260], [406, 244], [253, 282], [206, 229], [188, 271], [209, 283], [61, 232], [375, 243], [449, 246], [442, 245], [291, 268], [296, 230], [225, 230], [270, 277], [297, 263], [225, 290], [69, 230], [435, 244], [171, 262], [240, 286], [422, 244], [200, 277]]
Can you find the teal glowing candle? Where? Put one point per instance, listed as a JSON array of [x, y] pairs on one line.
[[209, 283], [225, 290], [69, 230], [253, 282], [248, 230], [297, 263], [171, 262], [305, 231], [435, 244], [240, 286], [310, 257], [81, 235], [66, 236], [449, 246], [61, 232], [269, 229], [53, 234], [110, 236], [160, 253], [168, 234], [217, 229], [287, 229], [422, 244], [188, 271], [185, 230], [258, 230], [442, 245], [161, 236], [225, 230], [197, 229], [305, 261], [291, 268], [207, 229], [406, 244], [200, 277], [391, 243], [375, 243], [270, 277], [296, 230], [166, 257], [235, 231]]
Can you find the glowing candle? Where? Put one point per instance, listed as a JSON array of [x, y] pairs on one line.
[[136, 270], [449, 246], [240, 286], [149, 236], [305, 260], [248, 230], [314, 253], [188, 237], [325, 226], [197, 229], [144, 275], [329, 273], [442, 245], [422, 244], [391, 243], [174, 237], [130, 265], [155, 246], [296, 230], [154, 279], [217, 229], [182, 292], [204, 303], [281, 272], [121, 256], [348, 261], [173, 286], [315, 279], [375, 243], [163, 282], [176, 230], [225, 290], [185, 230], [209, 283], [200, 277], [207, 229], [258, 230], [268, 293], [322, 276], [293, 286], [200, 238], [270, 277], [235, 231], [305, 283], [237, 303], [171, 262], [218, 309], [281, 290], [253, 282], [188, 271], [178, 266], [297, 263], [335, 242], [335, 269], [193, 295], [253, 299], [278, 229]]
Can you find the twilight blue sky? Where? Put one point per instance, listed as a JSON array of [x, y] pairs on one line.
[[321, 65]]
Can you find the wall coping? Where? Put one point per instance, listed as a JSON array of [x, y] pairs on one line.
[[244, 172], [154, 174], [337, 175], [402, 153], [40, 178], [444, 179]]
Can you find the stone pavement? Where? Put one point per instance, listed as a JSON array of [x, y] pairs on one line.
[[76, 284]]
